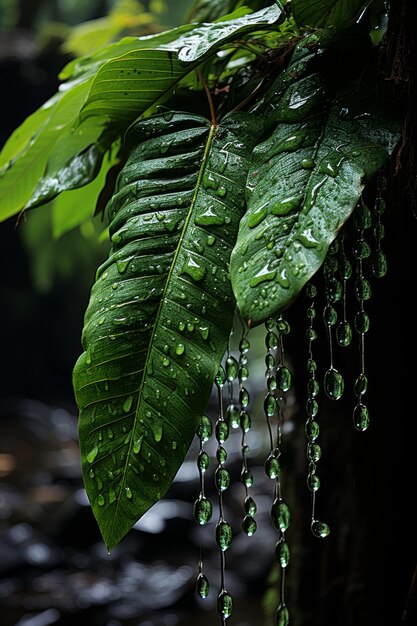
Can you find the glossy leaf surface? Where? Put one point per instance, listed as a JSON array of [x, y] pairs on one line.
[[161, 310], [303, 184]]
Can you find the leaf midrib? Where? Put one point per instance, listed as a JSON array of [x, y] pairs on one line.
[[212, 132]]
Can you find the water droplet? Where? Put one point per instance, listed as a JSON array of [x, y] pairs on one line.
[[272, 467], [232, 368], [221, 455], [270, 405], [271, 383], [243, 374], [180, 349], [362, 288], [361, 417], [232, 416], [269, 361], [345, 268], [203, 510], [137, 445], [222, 431], [307, 163], [334, 290], [210, 240], [202, 586], [245, 421], [257, 216], [205, 429], [203, 461], [181, 326], [193, 267], [362, 217], [224, 535], [287, 205], [127, 404], [361, 249], [362, 322], [225, 604], [244, 397], [91, 473], [246, 477], [307, 239], [313, 387], [283, 378], [282, 553], [379, 264], [265, 274], [313, 452], [319, 529], [100, 500], [333, 384], [222, 479], [110, 434], [222, 191], [312, 429], [157, 430], [244, 346], [92, 454], [361, 384], [271, 340], [209, 218], [165, 361], [220, 378], [128, 493], [329, 315], [282, 617], [249, 525], [313, 482], [344, 334], [250, 506], [280, 515]]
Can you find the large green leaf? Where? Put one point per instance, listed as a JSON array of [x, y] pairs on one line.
[[303, 184], [161, 309]]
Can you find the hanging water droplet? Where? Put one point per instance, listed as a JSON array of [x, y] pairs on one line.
[[333, 384], [313, 482], [244, 346], [224, 535], [283, 378], [245, 421], [379, 264], [362, 322], [311, 312], [311, 290], [202, 586], [329, 315], [246, 477], [232, 368], [362, 217], [282, 617], [221, 455], [362, 288], [313, 387], [250, 506], [225, 604], [345, 268], [312, 407], [222, 479], [343, 334], [283, 326], [280, 515], [269, 361], [271, 383], [282, 553], [361, 384], [334, 290], [222, 431], [203, 461], [270, 405], [311, 365], [220, 378], [311, 334], [271, 340], [361, 249], [203, 510], [244, 397], [313, 452], [272, 467], [249, 525], [361, 417], [204, 429], [243, 374], [312, 429], [232, 416], [319, 529]]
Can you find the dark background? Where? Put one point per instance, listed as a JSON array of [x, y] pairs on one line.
[[53, 566]]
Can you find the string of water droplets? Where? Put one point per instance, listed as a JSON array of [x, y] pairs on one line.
[[312, 428], [203, 508], [333, 379], [274, 403]]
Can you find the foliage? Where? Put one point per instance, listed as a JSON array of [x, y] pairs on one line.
[[262, 184]]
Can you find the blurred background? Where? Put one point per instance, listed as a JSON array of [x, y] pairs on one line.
[[54, 568]]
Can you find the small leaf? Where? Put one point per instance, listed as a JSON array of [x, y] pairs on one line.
[[161, 310]]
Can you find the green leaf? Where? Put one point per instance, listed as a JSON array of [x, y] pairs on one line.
[[161, 310], [304, 181], [72, 208], [317, 13]]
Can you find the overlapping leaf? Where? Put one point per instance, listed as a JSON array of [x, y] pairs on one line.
[[161, 309], [110, 88], [303, 184]]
